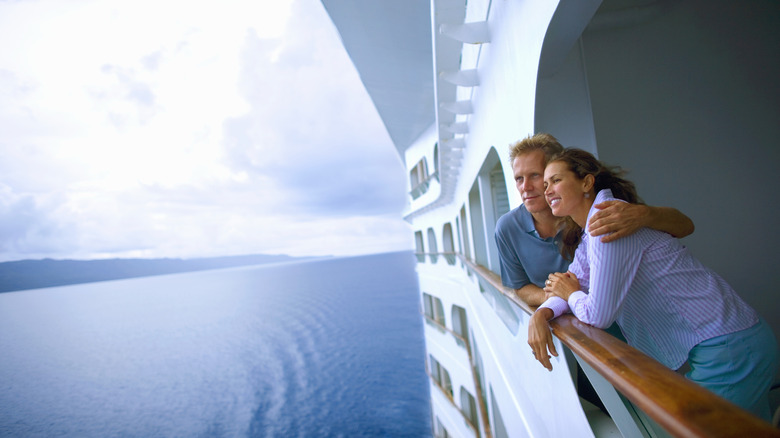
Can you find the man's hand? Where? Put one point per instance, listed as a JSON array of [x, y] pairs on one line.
[[618, 218], [623, 219], [539, 337]]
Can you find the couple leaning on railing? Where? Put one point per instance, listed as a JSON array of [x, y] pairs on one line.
[[666, 303]]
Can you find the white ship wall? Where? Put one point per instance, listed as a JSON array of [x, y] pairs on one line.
[[524, 390], [504, 101], [422, 150], [516, 388]]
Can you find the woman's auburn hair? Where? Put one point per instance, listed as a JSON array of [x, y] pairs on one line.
[[583, 163]]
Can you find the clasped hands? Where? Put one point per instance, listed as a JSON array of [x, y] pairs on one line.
[[560, 284]]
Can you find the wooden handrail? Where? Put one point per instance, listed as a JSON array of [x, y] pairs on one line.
[[680, 406]]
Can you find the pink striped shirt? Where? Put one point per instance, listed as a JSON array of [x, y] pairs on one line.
[[664, 300]]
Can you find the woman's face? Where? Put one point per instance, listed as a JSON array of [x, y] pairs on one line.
[[565, 193]]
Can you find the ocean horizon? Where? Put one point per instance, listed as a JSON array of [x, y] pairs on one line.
[[327, 347]]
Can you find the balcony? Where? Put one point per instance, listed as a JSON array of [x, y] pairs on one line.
[[620, 372]]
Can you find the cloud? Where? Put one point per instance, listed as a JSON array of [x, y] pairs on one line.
[[334, 158], [12, 86], [28, 227], [152, 60], [18, 218], [131, 88], [126, 98], [207, 134]]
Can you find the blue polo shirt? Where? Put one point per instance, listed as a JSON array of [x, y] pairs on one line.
[[525, 257]]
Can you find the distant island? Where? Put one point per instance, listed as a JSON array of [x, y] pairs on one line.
[[34, 274]]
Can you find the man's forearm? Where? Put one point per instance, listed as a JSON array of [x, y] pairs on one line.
[[669, 220], [532, 294]]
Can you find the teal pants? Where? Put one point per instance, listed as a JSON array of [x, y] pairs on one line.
[[739, 367]]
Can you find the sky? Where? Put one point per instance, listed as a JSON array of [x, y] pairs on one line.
[[188, 129]]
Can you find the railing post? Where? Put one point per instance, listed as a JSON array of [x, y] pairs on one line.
[[620, 409]]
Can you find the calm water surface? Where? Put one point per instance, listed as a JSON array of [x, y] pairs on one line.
[[324, 348]]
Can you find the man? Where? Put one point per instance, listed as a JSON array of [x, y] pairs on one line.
[[526, 236]]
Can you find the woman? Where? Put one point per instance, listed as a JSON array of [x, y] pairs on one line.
[[666, 302]]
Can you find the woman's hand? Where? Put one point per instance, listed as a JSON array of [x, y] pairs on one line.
[[539, 337], [562, 284]]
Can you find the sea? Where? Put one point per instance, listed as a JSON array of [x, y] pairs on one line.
[[328, 347]]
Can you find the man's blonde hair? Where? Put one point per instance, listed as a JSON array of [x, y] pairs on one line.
[[544, 142]]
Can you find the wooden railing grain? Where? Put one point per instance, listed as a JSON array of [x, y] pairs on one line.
[[680, 406]]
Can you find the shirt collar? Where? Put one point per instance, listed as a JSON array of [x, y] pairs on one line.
[[527, 224]]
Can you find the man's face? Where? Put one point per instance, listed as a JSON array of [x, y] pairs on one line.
[[529, 177]]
